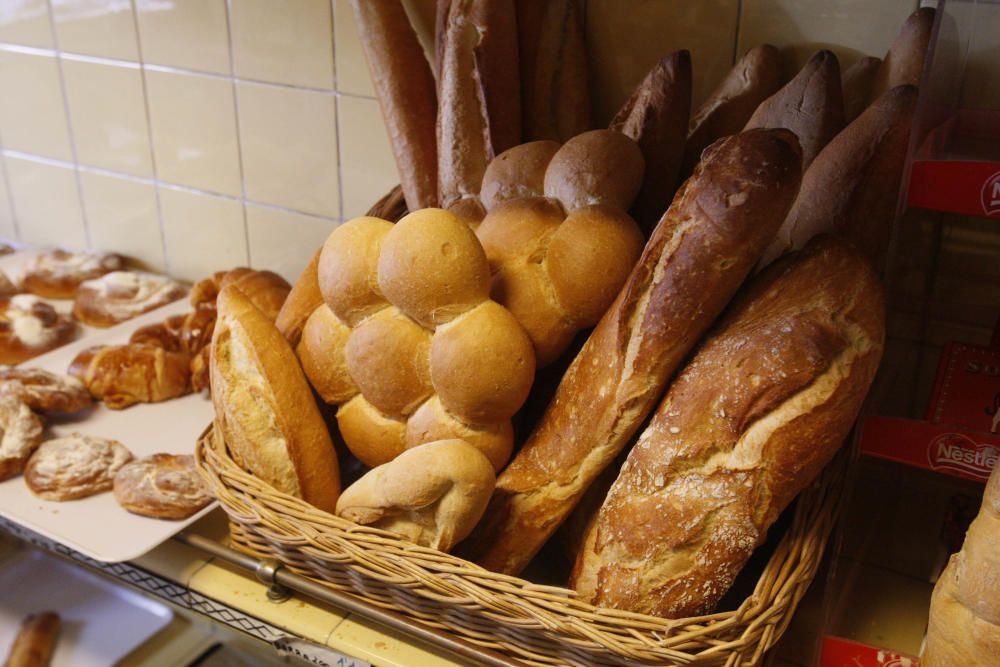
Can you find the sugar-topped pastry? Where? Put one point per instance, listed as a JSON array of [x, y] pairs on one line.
[[121, 295], [29, 327], [57, 274]]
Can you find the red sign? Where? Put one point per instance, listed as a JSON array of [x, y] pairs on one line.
[[958, 186], [967, 388], [839, 652], [943, 448]]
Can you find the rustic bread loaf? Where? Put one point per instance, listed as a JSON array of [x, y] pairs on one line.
[[701, 251], [964, 627], [656, 117], [748, 423], [754, 78], [264, 408], [857, 82], [432, 494], [904, 62], [811, 105]]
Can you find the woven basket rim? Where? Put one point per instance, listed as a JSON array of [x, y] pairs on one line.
[[311, 542]]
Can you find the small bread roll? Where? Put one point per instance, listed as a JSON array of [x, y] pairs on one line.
[[321, 352], [600, 166], [432, 495], [373, 437], [518, 172], [346, 278], [432, 422]]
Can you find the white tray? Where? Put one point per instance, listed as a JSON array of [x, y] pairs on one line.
[[101, 623], [97, 526]]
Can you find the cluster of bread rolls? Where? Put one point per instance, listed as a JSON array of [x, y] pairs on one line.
[[425, 335]]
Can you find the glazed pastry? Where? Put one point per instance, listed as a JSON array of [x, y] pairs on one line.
[[29, 327], [122, 295], [75, 467], [7, 288], [43, 390], [265, 289], [200, 375], [21, 434], [58, 273], [122, 375], [162, 486], [188, 333]]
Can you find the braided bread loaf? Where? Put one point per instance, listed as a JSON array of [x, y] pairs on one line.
[[408, 342]]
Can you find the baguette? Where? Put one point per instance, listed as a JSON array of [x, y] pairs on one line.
[[264, 408], [656, 117], [405, 88], [750, 422], [304, 298], [964, 627], [754, 78], [701, 251], [558, 104], [35, 642], [857, 83], [853, 185], [811, 105], [904, 62]]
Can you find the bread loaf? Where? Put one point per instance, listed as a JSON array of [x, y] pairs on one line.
[[432, 494], [857, 82], [405, 88], [754, 78], [811, 105], [964, 627], [904, 62], [300, 303], [748, 423], [701, 251], [853, 185], [264, 408], [656, 118]]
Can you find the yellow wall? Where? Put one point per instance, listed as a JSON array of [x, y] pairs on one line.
[[196, 135]]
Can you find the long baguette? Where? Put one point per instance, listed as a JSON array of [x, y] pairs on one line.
[[558, 104], [701, 251], [656, 117], [904, 61], [857, 82], [751, 420], [404, 85]]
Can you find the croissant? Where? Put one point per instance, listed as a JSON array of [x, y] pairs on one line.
[[188, 332], [265, 289], [122, 375]]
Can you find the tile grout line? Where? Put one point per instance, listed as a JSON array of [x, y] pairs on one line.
[[10, 193], [69, 127], [239, 138], [149, 136], [336, 112]]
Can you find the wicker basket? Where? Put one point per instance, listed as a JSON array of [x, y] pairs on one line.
[[539, 625]]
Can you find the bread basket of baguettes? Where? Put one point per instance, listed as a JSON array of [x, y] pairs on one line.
[[577, 395]]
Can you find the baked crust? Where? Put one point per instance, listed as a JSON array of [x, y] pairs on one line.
[[122, 375], [30, 327], [20, 435], [161, 486], [75, 467], [57, 274], [119, 296], [43, 390]]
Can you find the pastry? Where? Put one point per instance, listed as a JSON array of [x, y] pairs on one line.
[[200, 369], [265, 289], [162, 486], [189, 332], [432, 494], [121, 295], [122, 375], [30, 327], [75, 467], [35, 641], [57, 273], [7, 288], [22, 433], [44, 391]]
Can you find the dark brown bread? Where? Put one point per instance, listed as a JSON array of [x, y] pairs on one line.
[[811, 105], [698, 255], [857, 83], [404, 85], [656, 117], [751, 420], [853, 185], [557, 94], [904, 61], [754, 78]]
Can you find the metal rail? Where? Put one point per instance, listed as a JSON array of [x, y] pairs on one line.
[[273, 573]]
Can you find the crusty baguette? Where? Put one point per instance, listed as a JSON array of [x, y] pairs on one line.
[[701, 251], [853, 185], [811, 105], [754, 78], [304, 298], [558, 104], [964, 627], [857, 82], [656, 117], [405, 88], [264, 408], [904, 61], [479, 98], [35, 641], [752, 419]]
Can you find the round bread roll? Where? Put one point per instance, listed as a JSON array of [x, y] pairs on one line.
[[20, 435], [75, 467], [517, 172], [432, 422], [482, 364], [432, 267], [600, 166], [374, 438], [432, 495], [321, 353], [387, 355], [348, 266], [512, 226]]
